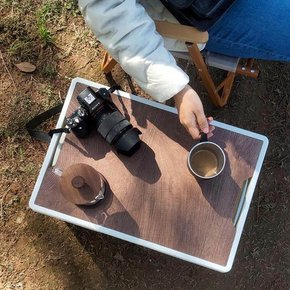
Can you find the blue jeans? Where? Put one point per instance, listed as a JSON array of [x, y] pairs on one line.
[[253, 28]]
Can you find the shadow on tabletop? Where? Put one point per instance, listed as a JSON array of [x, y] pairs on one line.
[[111, 214], [101, 148], [171, 127], [225, 201]]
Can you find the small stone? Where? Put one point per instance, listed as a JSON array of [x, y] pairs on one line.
[[19, 286], [20, 218], [119, 257]]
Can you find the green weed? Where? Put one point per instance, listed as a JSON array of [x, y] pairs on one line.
[[49, 70], [48, 13], [45, 35]]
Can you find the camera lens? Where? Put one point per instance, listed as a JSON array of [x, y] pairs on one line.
[[109, 121], [129, 142], [118, 131]]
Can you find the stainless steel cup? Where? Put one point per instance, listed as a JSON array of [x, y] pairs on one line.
[[206, 160]]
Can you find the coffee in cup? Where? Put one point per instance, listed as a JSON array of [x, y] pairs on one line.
[[206, 160]]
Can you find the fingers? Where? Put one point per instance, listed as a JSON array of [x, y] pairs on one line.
[[210, 134], [189, 121], [194, 132], [202, 121], [191, 113]]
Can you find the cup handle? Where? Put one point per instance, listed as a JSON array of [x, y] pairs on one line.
[[203, 137]]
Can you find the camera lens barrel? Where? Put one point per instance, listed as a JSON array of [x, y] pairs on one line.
[[109, 122], [129, 142], [117, 130]]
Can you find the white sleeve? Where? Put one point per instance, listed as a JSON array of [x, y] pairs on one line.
[[129, 35]]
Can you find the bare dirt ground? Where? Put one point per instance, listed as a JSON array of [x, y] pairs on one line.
[[39, 252]]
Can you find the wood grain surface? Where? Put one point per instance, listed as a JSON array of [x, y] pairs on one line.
[[152, 195]]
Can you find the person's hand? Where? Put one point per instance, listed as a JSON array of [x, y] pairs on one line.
[[191, 113]]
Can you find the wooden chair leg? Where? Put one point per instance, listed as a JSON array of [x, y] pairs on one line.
[[249, 69], [203, 72], [227, 88], [217, 98], [108, 63]]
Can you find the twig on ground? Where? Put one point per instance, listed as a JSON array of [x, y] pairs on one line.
[[87, 63], [59, 96], [15, 240], [4, 266], [8, 70], [1, 203]]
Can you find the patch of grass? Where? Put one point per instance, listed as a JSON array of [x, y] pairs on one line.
[[29, 168], [51, 97], [71, 6], [49, 70], [22, 49], [45, 35], [44, 15], [49, 12], [18, 37], [21, 111]]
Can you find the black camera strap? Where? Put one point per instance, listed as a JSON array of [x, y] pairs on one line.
[[59, 130], [114, 88], [39, 119]]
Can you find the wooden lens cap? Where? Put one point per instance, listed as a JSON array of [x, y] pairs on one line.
[[81, 184]]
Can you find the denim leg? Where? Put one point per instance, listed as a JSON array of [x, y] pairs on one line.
[[253, 28]]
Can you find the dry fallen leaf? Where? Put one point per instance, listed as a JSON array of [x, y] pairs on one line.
[[26, 67]]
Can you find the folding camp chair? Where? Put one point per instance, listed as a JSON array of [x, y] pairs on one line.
[[219, 94]]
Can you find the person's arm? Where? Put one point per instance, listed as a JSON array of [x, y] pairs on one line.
[[129, 35]]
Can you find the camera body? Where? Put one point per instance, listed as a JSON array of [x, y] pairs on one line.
[[98, 111], [78, 122]]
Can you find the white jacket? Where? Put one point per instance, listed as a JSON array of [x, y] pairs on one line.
[[128, 33]]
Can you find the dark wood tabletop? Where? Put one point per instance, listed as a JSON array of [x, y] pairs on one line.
[[152, 195]]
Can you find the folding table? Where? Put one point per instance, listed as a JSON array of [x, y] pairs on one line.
[[152, 199]]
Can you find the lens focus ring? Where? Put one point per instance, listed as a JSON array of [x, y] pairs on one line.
[[117, 131], [109, 122]]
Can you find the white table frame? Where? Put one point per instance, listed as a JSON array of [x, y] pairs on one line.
[[55, 146]]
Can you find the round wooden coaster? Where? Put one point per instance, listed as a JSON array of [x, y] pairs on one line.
[[81, 184]]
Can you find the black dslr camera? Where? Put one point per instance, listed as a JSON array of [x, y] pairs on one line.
[[98, 111]]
